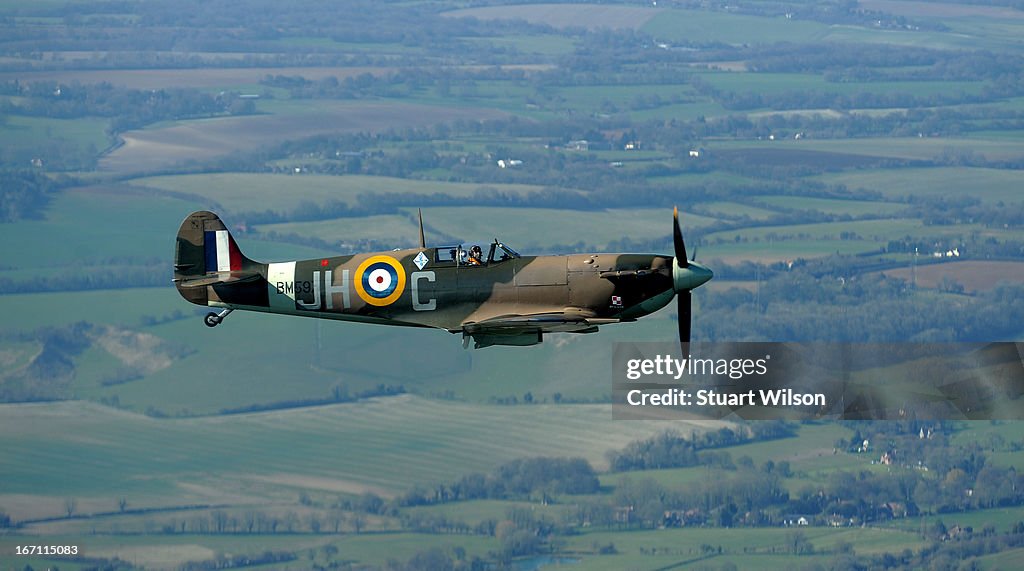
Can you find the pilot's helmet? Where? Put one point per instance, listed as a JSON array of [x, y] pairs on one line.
[[476, 251]]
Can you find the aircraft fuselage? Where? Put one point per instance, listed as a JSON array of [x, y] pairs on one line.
[[392, 288], [500, 298]]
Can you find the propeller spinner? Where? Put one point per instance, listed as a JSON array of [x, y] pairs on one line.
[[687, 275]]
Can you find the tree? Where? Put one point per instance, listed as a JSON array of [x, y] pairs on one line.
[[242, 107], [336, 518], [220, 521], [70, 504], [249, 520], [291, 520]]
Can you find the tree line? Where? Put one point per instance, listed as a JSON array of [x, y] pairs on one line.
[[127, 108], [672, 450]]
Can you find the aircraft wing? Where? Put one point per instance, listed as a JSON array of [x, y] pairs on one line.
[[528, 329]]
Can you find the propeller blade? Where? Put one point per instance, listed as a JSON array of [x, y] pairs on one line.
[[677, 239], [684, 301]]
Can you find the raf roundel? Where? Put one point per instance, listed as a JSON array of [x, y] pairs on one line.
[[380, 281]]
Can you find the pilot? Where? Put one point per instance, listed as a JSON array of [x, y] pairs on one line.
[[476, 256]]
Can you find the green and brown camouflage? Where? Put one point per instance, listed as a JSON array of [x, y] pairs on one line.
[[505, 299]]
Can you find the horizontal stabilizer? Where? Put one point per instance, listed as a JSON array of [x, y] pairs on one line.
[[221, 278]]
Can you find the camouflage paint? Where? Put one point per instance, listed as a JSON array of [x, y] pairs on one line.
[[508, 301]]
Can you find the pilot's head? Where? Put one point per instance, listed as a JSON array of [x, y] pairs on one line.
[[475, 251]]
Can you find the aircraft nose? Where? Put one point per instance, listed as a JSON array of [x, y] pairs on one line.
[[691, 277]]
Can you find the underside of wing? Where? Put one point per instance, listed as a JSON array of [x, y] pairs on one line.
[[529, 329]]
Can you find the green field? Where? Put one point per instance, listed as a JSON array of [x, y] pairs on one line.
[[1012, 559], [779, 83], [83, 133], [915, 38], [681, 111], [713, 179], [594, 97], [243, 79], [109, 448], [855, 208], [508, 96], [782, 251], [707, 26], [518, 227], [733, 210], [811, 455], [97, 223], [476, 511], [539, 229], [391, 230], [781, 243], [1002, 519], [974, 276], [866, 232], [563, 15], [989, 185], [104, 228], [182, 143], [283, 193], [682, 548], [535, 45], [909, 148], [873, 230], [173, 551], [997, 31], [191, 461]]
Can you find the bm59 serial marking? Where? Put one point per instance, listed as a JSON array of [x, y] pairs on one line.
[[494, 298]]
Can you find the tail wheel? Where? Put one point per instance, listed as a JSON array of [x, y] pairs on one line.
[[211, 319]]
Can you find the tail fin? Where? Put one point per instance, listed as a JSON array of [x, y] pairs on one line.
[[206, 253]]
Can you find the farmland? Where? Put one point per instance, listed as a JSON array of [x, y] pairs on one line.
[[201, 78], [989, 185], [381, 433], [237, 192], [194, 141], [556, 227], [564, 15], [853, 208], [1007, 147], [778, 83], [172, 475], [973, 276], [812, 150]]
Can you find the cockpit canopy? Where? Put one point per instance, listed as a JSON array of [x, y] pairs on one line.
[[460, 255]]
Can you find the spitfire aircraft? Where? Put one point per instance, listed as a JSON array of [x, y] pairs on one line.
[[497, 297]]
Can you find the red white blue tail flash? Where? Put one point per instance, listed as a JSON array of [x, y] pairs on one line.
[[222, 254]]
